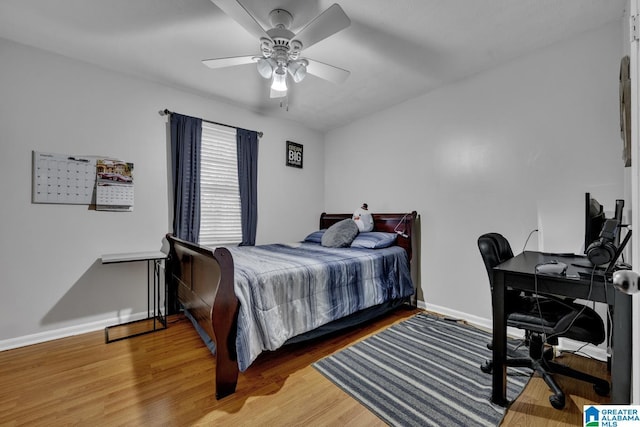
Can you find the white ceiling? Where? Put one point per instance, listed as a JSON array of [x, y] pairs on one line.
[[395, 50]]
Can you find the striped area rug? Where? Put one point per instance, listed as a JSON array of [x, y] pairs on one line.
[[424, 371]]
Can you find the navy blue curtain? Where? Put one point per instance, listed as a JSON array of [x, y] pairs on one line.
[[247, 143], [186, 137]]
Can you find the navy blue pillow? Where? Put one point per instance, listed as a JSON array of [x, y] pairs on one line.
[[315, 237], [374, 240]]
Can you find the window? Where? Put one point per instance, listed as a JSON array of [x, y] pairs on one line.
[[220, 214]]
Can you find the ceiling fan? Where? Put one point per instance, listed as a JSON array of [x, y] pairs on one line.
[[280, 48]]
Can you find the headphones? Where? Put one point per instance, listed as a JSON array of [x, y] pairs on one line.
[[603, 250]]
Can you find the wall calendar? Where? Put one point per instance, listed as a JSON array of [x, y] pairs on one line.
[[60, 178], [114, 186], [65, 179]]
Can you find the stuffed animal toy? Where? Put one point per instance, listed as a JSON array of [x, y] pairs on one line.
[[363, 219]]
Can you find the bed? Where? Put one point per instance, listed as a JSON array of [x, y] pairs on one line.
[[253, 299]]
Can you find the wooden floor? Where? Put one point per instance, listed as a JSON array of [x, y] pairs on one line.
[[166, 378]]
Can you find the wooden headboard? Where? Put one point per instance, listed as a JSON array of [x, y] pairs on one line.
[[402, 223]]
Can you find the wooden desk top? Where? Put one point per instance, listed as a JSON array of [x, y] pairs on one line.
[[527, 261], [520, 273], [133, 256]]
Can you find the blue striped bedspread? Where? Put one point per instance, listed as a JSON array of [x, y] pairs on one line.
[[285, 290]]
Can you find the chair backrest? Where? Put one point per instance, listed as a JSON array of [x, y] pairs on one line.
[[495, 250]]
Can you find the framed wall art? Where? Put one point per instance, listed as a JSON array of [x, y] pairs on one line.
[[294, 155], [625, 110]]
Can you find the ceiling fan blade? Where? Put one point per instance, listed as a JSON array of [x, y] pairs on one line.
[[241, 15], [322, 26], [229, 62], [326, 71]]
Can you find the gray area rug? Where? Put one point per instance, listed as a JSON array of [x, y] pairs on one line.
[[424, 371]]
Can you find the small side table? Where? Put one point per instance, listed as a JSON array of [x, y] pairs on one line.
[[156, 317]]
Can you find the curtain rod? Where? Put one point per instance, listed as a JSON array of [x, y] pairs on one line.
[[166, 112]]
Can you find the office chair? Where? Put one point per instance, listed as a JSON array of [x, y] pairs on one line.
[[543, 316]]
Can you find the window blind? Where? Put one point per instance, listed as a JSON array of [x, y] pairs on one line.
[[220, 215]]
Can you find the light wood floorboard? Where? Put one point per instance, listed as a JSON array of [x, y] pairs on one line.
[[166, 378]]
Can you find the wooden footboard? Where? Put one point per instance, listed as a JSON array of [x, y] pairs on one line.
[[204, 283]]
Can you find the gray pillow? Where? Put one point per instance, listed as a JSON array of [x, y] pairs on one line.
[[340, 234]]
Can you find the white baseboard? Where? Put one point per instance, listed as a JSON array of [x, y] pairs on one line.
[[469, 318], [69, 331], [567, 345], [486, 324]]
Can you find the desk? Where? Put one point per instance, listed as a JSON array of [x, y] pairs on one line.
[[156, 316], [519, 273]]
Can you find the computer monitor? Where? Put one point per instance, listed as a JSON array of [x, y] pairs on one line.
[[618, 216], [593, 220]]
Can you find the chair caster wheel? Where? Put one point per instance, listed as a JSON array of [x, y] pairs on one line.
[[557, 401], [602, 389], [487, 367]]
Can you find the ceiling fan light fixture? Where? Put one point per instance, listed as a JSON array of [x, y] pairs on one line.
[[298, 70], [279, 80], [265, 68], [281, 48], [278, 94]]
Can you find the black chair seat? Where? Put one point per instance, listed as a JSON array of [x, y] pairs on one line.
[[566, 319]]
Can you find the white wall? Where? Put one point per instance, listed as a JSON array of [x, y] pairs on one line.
[[510, 150], [53, 283]]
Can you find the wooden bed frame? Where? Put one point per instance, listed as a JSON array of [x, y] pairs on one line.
[[203, 282]]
